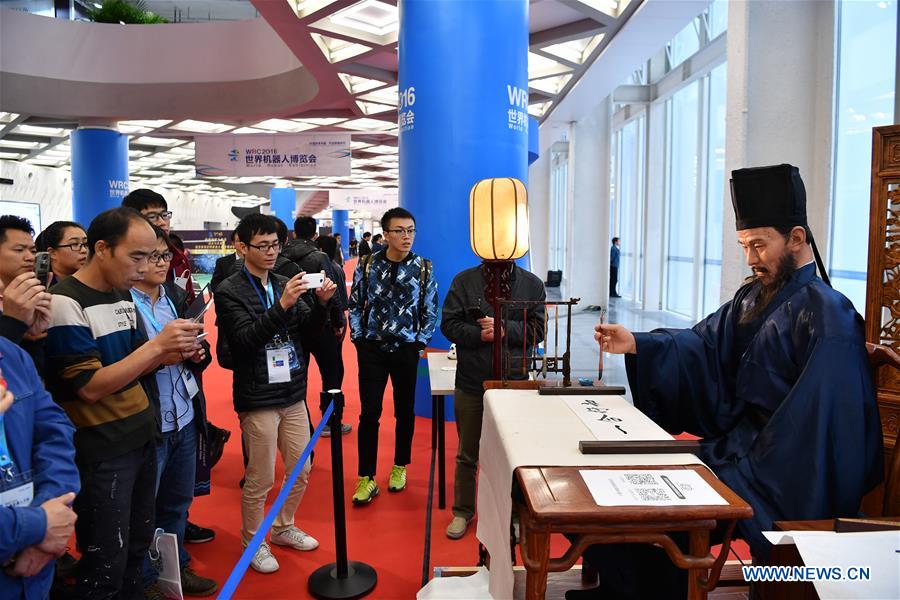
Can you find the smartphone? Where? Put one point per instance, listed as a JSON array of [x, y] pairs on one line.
[[476, 313], [42, 267], [313, 280], [197, 309]]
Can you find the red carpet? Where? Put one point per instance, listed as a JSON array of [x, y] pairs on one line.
[[387, 534]]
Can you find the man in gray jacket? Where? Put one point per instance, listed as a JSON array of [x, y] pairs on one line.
[[468, 321]]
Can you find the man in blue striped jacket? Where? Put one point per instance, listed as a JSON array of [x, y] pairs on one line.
[[393, 313]]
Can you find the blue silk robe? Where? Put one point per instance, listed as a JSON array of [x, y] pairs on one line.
[[785, 406]]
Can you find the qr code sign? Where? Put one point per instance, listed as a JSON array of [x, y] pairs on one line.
[[640, 479], [652, 494]]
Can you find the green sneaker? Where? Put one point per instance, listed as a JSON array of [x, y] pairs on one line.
[[366, 490], [397, 481]]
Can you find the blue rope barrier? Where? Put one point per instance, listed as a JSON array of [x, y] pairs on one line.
[[237, 574]]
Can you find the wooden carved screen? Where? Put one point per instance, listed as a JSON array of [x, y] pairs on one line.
[[883, 284]]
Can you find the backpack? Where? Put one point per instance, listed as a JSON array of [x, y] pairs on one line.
[[366, 264]]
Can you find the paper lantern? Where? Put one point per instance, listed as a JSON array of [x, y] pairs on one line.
[[498, 219]]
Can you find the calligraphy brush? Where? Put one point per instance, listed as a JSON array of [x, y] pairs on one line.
[[600, 366]]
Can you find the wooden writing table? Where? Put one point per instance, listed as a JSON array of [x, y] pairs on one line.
[[558, 501]]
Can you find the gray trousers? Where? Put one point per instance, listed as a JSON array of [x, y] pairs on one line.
[[468, 409]]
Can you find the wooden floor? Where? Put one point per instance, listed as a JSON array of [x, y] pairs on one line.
[[558, 583]]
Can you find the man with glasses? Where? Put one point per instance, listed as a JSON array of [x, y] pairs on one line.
[[155, 208], [97, 356], [263, 315], [393, 313], [176, 393], [24, 302]]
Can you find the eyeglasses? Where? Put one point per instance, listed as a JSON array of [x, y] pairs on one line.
[[158, 258], [403, 232], [264, 248], [153, 216], [74, 246]]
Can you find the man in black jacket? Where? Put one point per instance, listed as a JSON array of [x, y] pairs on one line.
[[176, 393], [263, 314], [468, 321], [326, 347], [364, 247]]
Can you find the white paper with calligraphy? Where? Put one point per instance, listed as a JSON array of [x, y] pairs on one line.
[[278, 154], [612, 418], [669, 487]]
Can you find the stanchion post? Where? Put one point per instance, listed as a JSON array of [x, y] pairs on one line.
[[342, 579]]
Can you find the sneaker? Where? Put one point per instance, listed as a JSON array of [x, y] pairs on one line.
[[264, 561], [346, 428], [366, 490], [194, 585], [152, 592], [295, 538], [457, 527], [326, 431], [397, 481], [194, 534]]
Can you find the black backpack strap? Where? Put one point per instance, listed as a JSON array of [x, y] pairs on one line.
[[424, 275], [364, 291]]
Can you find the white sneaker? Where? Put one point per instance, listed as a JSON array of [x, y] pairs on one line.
[[295, 538], [264, 561]]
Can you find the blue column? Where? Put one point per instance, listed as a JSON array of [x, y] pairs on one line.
[[99, 171], [283, 202], [340, 224], [463, 117]]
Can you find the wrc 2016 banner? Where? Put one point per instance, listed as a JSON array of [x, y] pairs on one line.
[[280, 155]]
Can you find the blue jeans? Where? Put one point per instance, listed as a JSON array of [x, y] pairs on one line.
[[176, 455]]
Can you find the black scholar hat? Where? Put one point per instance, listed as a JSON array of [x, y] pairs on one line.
[[771, 196]]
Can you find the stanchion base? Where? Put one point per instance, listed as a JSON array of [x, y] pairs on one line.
[[324, 582]]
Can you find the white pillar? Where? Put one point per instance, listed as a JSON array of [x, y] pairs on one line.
[[779, 107], [539, 213], [589, 155]]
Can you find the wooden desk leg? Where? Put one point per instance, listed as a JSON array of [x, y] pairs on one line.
[[442, 463], [699, 548], [537, 545]]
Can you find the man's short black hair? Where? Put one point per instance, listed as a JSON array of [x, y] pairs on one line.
[[367, 235], [16, 223], [305, 227], [377, 237], [161, 234], [53, 234], [255, 224], [282, 230], [111, 226], [397, 212], [143, 198], [615, 239], [173, 239], [337, 235]]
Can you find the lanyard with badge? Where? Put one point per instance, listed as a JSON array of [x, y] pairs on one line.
[[187, 377], [16, 489], [281, 356]]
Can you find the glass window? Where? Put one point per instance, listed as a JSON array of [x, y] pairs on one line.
[[685, 43], [715, 184], [683, 162], [867, 37], [718, 18], [559, 175], [628, 207]]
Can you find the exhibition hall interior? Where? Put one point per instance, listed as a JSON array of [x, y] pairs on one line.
[[621, 278]]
